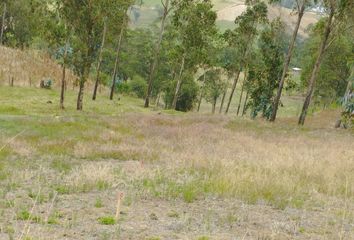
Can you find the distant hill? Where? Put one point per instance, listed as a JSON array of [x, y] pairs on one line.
[[227, 10], [234, 8]]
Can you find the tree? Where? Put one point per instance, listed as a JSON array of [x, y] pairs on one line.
[[332, 77], [83, 18], [57, 36], [214, 86], [241, 95], [113, 17], [229, 60], [195, 23], [347, 115], [21, 21], [99, 63], [116, 63], [166, 10], [300, 9], [243, 36], [338, 11], [3, 23], [264, 74]]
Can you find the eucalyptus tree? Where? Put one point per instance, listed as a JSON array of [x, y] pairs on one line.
[[195, 23], [166, 9], [338, 12], [53, 30], [243, 36], [212, 65], [214, 86], [333, 74], [19, 21], [299, 7], [118, 51], [83, 18], [229, 60], [347, 115], [112, 17], [4, 11], [264, 74]]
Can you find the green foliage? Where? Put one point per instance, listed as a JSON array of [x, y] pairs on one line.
[[83, 20], [195, 23], [213, 86], [334, 71], [263, 75], [23, 21], [188, 93], [138, 86]]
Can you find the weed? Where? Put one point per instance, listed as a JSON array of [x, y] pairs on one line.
[[98, 203], [25, 215], [107, 220]]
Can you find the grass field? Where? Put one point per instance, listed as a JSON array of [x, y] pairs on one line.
[[182, 175]]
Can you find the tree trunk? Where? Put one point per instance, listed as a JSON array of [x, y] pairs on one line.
[[2, 25], [63, 83], [178, 86], [245, 105], [156, 55], [286, 64], [84, 76], [158, 99], [316, 68], [214, 106], [232, 91], [242, 88], [100, 60], [200, 98], [223, 99], [201, 93], [80, 96], [117, 61]]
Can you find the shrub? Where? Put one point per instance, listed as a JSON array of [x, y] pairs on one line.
[[188, 94], [138, 86]]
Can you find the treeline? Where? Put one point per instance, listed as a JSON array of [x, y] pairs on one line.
[[183, 58]]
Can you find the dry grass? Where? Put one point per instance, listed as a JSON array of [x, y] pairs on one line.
[[217, 176], [29, 67]]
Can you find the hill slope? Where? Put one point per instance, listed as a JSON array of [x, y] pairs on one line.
[[29, 67], [227, 11]]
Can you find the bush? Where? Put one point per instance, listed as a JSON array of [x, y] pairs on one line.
[[187, 96], [138, 86], [123, 87]]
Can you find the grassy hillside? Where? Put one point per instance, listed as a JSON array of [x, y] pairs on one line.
[[29, 67], [183, 176], [227, 11]]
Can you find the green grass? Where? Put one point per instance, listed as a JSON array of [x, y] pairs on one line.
[[65, 141], [107, 220], [25, 215]]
